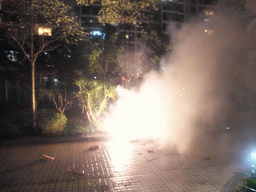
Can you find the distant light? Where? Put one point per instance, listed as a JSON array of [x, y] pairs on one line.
[[96, 33], [209, 12], [206, 19], [95, 77], [56, 81], [45, 31], [209, 32], [12, 55]]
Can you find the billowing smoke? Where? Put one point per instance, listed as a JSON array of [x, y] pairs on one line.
[[202, 87]]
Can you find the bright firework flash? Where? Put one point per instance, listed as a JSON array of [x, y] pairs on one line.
[[146, 114], [193, 93]]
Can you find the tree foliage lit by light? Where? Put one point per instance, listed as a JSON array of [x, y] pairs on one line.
[[155, 45], [57, 14], [93, 97], [104, 57], [122, 11], [51, 14]]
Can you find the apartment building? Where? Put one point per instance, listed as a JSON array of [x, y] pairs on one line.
[[176, 11]]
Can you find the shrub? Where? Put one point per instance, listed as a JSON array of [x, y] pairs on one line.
[[77, 126], [94, 126], [74, 128], [51, 122], [56, 124], [18, 123]]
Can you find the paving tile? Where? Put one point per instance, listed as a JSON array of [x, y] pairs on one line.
[[22, 169]]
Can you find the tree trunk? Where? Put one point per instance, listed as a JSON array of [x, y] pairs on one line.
[[33, 97], [33, 62]]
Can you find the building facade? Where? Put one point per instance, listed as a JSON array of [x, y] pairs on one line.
[[175, 11]]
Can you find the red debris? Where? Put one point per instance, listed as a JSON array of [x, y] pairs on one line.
[[77, 171], [46, 157], [152, 159], [94, 147]]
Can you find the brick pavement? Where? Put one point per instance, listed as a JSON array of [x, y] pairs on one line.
[[113, 167]]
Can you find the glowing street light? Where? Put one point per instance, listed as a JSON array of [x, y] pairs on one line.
[[44, 31]]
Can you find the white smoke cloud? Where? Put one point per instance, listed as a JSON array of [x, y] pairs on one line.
[[205, 71]]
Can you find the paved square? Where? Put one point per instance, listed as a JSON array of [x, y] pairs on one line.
[[131, 166]]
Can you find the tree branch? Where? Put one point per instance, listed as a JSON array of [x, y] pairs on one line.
[[22, 48]]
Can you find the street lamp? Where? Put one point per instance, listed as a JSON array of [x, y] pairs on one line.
[[44, 31]]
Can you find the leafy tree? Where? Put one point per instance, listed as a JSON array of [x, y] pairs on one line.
[[58, 97], [122, 11], [94, 96], [103, 57], [128, 12], [156, 46], [61, 25]]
